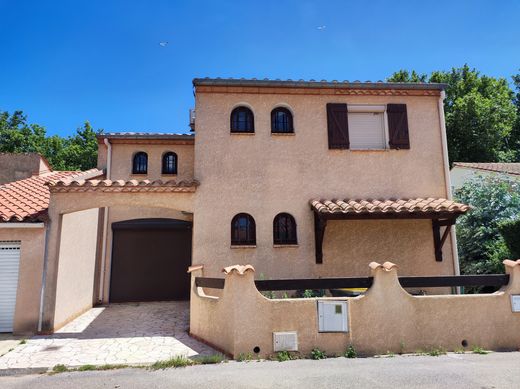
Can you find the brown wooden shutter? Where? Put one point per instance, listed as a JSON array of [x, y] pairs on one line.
[[398, 126], [337, 126]]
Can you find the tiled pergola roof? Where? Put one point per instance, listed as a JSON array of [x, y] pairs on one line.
[[122, 186]]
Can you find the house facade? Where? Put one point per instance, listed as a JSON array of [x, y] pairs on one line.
[[462, 172], [299, 179]]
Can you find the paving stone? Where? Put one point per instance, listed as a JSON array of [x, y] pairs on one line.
[[119, 333]]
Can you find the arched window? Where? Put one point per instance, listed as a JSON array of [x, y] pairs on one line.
[[243, 230], [169, 163], [284, 229], [242, 120], [281, 120], [140, 163]]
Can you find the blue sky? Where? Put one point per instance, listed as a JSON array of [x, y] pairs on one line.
[[64, 62]]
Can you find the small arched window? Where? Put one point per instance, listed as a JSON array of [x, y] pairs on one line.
[[281, 121], [140, 163], [242, 120], [284, 229], [243, 230], [169, 163]]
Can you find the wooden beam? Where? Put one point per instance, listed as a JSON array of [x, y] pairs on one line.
[[319, 232], [208, 282]]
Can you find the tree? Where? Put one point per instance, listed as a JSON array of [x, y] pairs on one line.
[[479, 110], [514, 139], [77, 152], [494, 199]]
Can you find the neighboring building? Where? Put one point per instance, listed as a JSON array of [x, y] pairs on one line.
[[461, 172], [299, 179], [17, 166], [23, 215]]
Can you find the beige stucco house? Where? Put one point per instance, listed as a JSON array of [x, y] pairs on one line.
[[299, 179]]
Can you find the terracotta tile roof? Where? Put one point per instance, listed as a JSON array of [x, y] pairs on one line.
[[28, 199], [507, 168], [409, 207], [145, 135], [122, 186]]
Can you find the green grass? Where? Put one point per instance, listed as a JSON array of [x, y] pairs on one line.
[[479, 350], [209, 359], [317, 354], [178, 361], [60, 369], [87, 368], [460, 350], [436, 351]]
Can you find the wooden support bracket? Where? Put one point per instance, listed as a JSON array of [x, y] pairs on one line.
[[320, 224], [438, 240]]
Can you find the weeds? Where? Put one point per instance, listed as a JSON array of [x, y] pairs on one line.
[[390, 354], [23, 341], [242, 357], [436, 351], [460, 350], [479, 350], [60, 369], [87, 368], [178, 361], [209, 359], [316, 354], [351, 352]]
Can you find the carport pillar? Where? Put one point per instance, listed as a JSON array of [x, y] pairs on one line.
[[50, 270]]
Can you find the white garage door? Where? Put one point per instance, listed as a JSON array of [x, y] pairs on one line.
[[9, 264]]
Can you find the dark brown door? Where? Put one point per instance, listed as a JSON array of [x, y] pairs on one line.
[[150, 259]]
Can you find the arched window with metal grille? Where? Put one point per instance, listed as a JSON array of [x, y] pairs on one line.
[[169, 163], [243, 230], [281, 121], [284, 229], [140, 163], [242, 120]]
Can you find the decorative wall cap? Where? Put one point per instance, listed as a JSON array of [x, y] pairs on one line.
[[388, 206], [193, 268], [385, 266], [239, 269], [122, 186], [511, 263]]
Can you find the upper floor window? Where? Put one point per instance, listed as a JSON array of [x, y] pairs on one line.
[[284, 229], [169, 163], [243, 230], [367, 127], [140, 163], [242, 120], [281, 120]]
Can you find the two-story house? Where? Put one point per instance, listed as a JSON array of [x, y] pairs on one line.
[[301, 179]]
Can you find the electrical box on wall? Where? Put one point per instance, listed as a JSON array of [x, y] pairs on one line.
[[285, 341], [332, 316]]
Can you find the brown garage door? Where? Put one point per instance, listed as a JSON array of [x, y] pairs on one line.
[[150, 258]]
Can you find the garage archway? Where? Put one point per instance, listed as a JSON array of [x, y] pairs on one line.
[[150, 258]]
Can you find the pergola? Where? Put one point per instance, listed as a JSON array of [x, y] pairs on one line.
[[442, 213]]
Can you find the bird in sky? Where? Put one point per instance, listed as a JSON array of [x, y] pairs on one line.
[[163, 44], [321, 28]]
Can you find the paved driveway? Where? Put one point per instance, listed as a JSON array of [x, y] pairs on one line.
[[136, 333]]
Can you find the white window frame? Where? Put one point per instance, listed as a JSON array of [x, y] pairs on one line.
[[372, 108]]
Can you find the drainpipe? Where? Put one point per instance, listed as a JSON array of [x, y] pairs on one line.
[[447, 179], [44, 275], [105, 226]]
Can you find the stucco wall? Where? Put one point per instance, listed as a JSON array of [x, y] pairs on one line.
[[122, 157], [265, 174], [17, 166], [386, 319], [29, 277], [76, 265]]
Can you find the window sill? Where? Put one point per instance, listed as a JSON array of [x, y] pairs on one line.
[[283, 133], [241, 133], [243, 246], [169, 174], [368, 150], [278, 246]]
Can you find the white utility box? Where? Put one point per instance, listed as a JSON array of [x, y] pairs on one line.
[[332, 316], [515, 302], [285, 341]]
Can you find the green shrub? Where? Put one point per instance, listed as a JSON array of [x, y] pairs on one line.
[[510, 231], [60, 368], [481, 246], [243, 357], [283, 356], [209, 359], [351, 352], [479, 350], [87, 368], [316, 354]]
